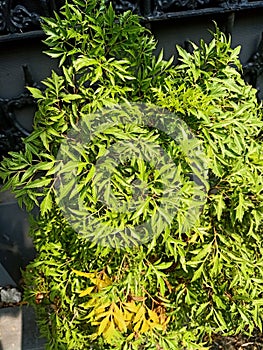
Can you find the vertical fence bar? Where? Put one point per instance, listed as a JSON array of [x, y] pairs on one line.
[[147, 8]]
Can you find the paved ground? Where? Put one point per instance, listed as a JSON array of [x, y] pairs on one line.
[[18, 330]]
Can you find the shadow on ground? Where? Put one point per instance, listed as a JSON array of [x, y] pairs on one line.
[[30, 339], [16, 247], [19, 330]]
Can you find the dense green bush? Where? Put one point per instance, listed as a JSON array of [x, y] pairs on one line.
[[189, 282]]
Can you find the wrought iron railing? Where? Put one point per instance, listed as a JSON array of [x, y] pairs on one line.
[[167, 9], [20, 19], [23, 16]]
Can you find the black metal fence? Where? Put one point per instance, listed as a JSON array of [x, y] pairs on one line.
[[20, 30]]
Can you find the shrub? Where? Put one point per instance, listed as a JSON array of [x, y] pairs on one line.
[[189, 281]]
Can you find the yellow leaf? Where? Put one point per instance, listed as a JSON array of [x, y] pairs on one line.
[[107, 280], [86, 291], [103, 281], [103, 314], [103, 325], [131, 306], [91, 314], [130, 337], [137, 326], [139, 314], [93, 280], [101, 284], [85, 274], [91, 303], [110, 333], [145, 327], [100, 309], [93, 336], [119, 318], [153, 316], [127, 315]]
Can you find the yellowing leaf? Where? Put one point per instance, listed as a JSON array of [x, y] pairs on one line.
[[131, 306], [140, 314], [159, 327], [84, 274], [91, 303], [91, 314], [153, 316], [128, 315], [137, 326], [164, 324], [102, 315], [110, 333], [130, 337], [103, 281], [103, 325], [93, 336], [101, 308], [87, 291], [145, 327], [119, 318]]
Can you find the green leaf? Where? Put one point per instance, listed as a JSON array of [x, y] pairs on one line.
[[65, 189], [47, 203], [44, 139], [36, 93], [40, 183], [71, 97], [198, 273], [220, 205], [163, 266], [240, 208], [202, 252]]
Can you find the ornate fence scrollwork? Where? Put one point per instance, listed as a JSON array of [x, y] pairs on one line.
[[20, 19], [11, 129], [175, 5], [168, 9], [253, 69], [159, 10], [23, 16], [121, 6], [20, 16]]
